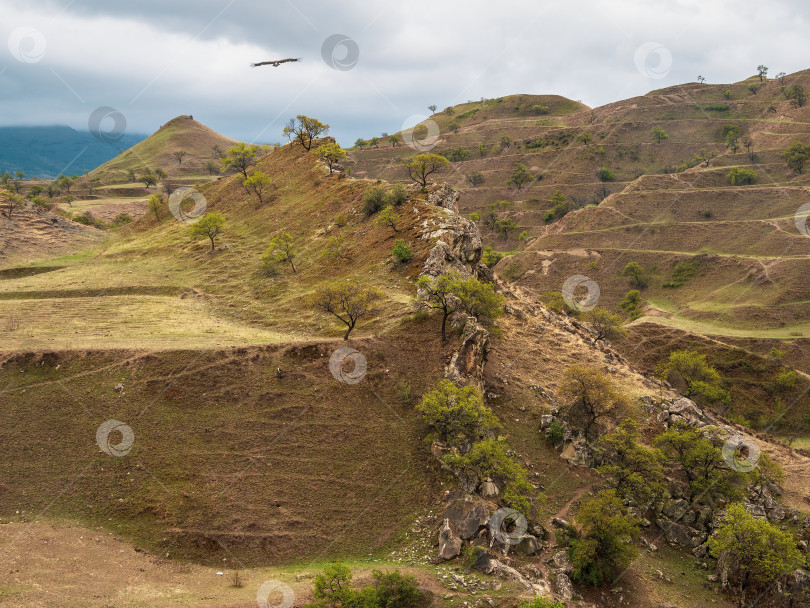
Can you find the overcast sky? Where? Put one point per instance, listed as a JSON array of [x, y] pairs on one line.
[[368, 65]]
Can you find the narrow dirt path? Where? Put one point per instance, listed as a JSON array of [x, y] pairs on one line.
[[551, 546]]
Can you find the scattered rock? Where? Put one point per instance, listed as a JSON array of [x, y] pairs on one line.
[[449, 543]]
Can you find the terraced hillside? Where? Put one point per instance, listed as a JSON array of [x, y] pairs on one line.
[[720, 260]]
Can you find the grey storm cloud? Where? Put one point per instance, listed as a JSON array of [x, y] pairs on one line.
[[155, 60]]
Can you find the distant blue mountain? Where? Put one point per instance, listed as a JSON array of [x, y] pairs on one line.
[[48, 151]]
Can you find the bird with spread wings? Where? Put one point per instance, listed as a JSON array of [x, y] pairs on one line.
[[275, 63]]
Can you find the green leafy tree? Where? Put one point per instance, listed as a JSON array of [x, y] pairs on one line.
[[504, 226], [212, 167], [240, 157], [10, 203], [388, 217], [348, 302], [636, 273], [634, 469], [156, 205], [698, 452], [796, 156], [449, 292], [457, 414], [336, 248], [607, 325], [179, 155], [331, 153], [796, 93], [64, 183], [374, 142], [258, 183], [421, 166], [459, 154], [474, 178], [396, 590], [590, 398], [282, 249], [754, 553], [604, 174], [395, 140], [606, 543], [520, 177], [360, 143], [482, 150], [432, 107], [585, 138], [304, 129], [690, 368], [658, 134], [210, 226], [738, 176], [490, 458], [631, 304], [762, 72], [479, 299]]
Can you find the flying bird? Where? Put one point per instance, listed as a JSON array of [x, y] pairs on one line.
[[275, 63]]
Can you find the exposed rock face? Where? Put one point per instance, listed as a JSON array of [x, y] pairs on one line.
[[459, 246], [466, 517], [445, 196], [449, 543], [564, 587], [467, 363]]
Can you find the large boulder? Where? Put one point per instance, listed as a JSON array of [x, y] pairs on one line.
[[528, 545], [449, 543], [681, 535], [466, 516]]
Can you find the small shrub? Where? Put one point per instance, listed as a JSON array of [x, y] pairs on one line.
[[402, 251], [490, 257], [540, 109], [398, 196], [374, 200], [555, 433], [341, 220], [741, 176], [605, 174], [122, 219]]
